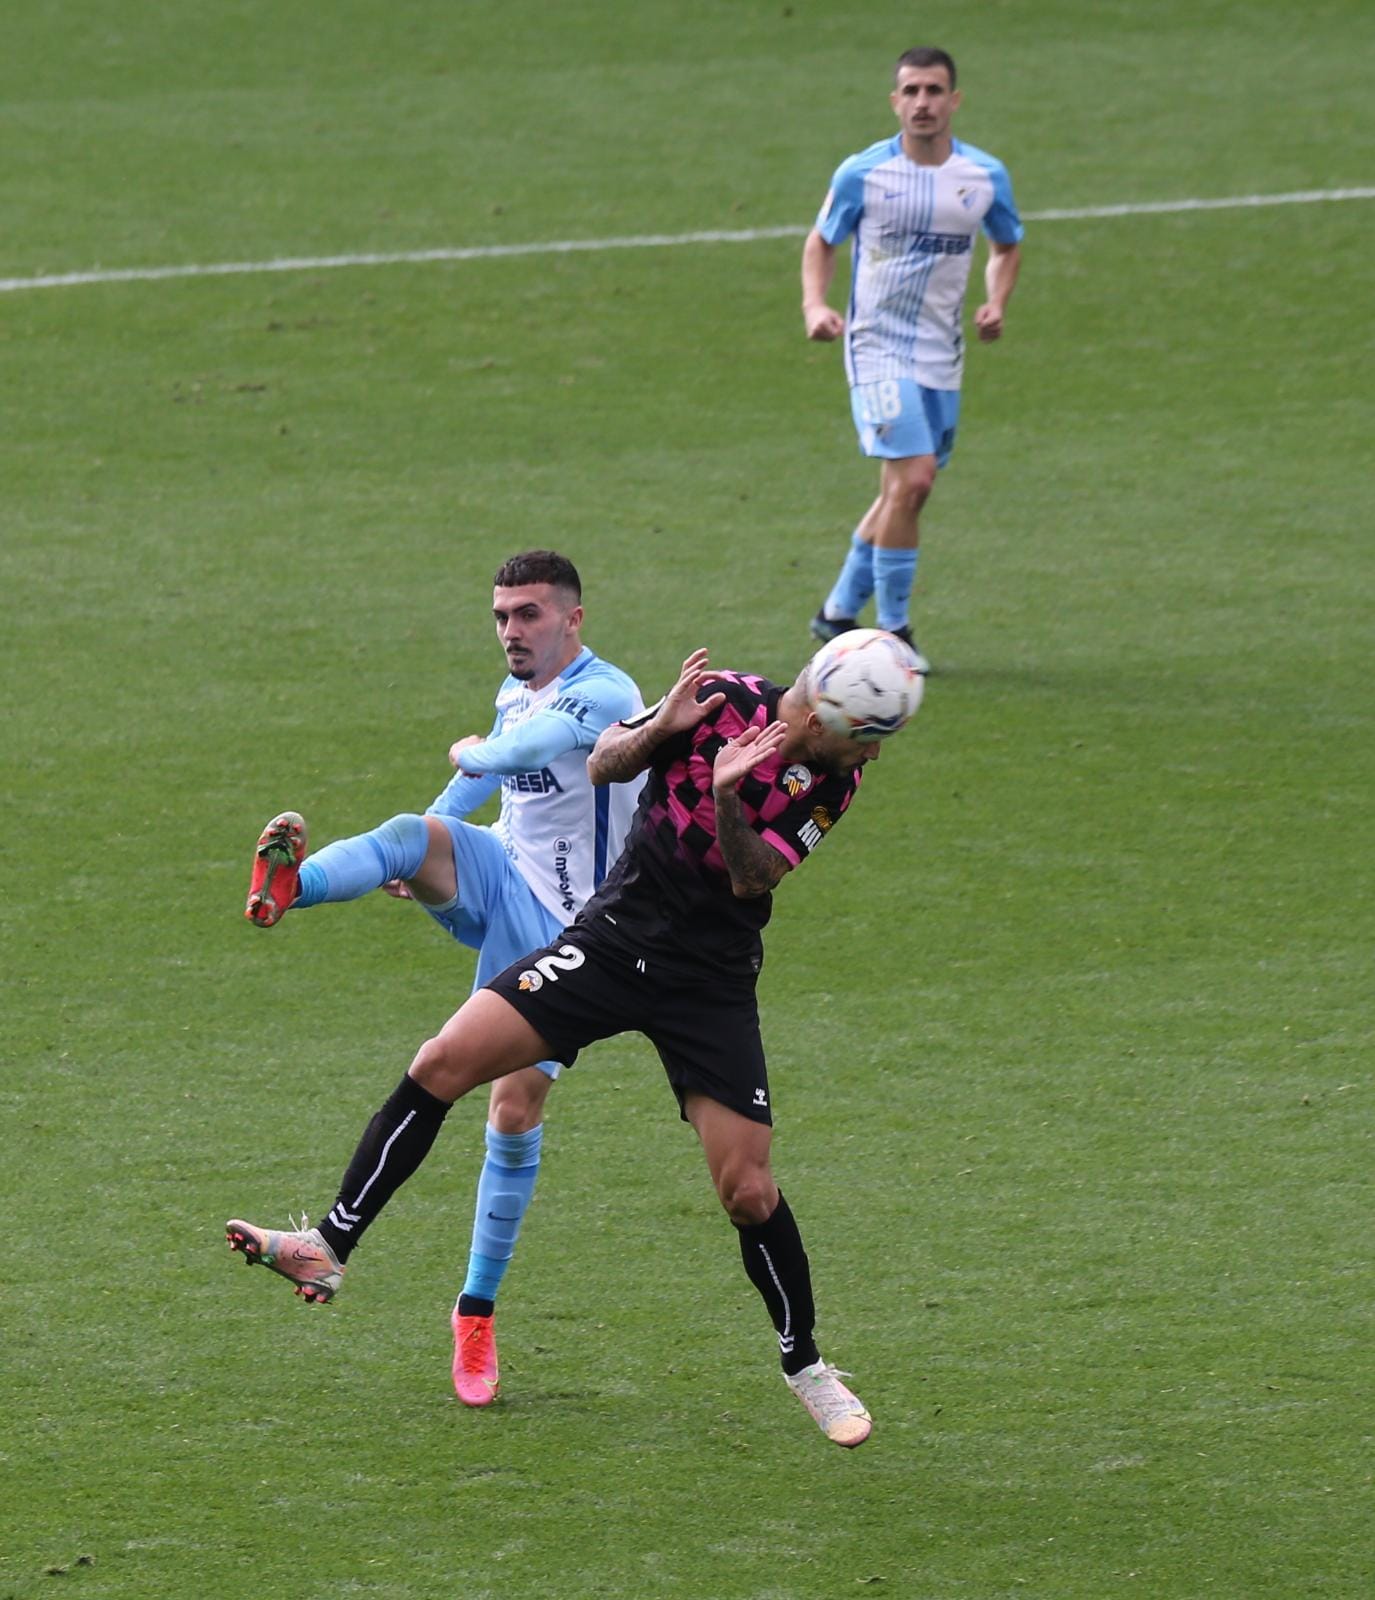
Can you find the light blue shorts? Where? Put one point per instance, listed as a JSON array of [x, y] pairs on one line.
[[898, 418], [497, 913]]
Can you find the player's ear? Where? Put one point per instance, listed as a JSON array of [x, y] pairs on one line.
[[575, 618]]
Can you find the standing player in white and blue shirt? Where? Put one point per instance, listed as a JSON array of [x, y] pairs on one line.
[[914, 205], [504, 890]]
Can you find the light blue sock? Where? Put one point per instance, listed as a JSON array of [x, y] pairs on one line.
[[349, 868], [895, 571], [503, 1193], [855, 583]]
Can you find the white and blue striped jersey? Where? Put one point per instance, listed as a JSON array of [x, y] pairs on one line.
[[561, 833], [914, 229]]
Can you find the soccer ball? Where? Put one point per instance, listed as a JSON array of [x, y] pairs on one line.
[[864, 684]]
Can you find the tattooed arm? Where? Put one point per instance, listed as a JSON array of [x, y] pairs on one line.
[[625, 749], [754, 866]]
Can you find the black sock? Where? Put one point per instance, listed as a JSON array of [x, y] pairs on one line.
[[470, 1305], [777, 1266], [397, 1140]]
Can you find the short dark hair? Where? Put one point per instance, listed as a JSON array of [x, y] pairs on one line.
[[925, 55], [538, 566]]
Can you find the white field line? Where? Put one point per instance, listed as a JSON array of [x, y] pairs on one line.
[[649, 241]]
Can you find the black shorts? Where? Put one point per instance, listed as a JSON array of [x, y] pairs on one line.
[[705, 1028]]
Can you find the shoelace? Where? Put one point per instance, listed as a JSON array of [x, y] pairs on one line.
[[475, 1349], [325, 1255], [826, 1399]]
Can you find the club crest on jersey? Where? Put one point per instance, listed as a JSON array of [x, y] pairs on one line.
[[798, 779]]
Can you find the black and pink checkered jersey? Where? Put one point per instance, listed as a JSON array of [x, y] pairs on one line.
[[668, 897]]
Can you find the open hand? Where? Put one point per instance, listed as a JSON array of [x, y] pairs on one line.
[[681, 708], [738, 757]]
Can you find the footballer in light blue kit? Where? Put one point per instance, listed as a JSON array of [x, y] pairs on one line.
[[914, 206], [504, 890], [555, 832]]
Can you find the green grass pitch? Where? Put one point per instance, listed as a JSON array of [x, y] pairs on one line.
[[1070, 1026]]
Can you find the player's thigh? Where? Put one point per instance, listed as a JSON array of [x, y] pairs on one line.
[[708, 1039], [942, 408], [574, 991], [898, 418], [484, 1039], [490, 893], [736, 1147]]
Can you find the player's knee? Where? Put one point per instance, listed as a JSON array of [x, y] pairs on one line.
[[749, 1196], [913, 488], [438, 1068], [517, 1102]]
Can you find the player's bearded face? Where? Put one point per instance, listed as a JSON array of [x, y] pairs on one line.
[[537, 629], [844, 755]]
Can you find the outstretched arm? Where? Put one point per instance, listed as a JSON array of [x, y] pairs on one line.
[[754, 866], [625, 749]]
